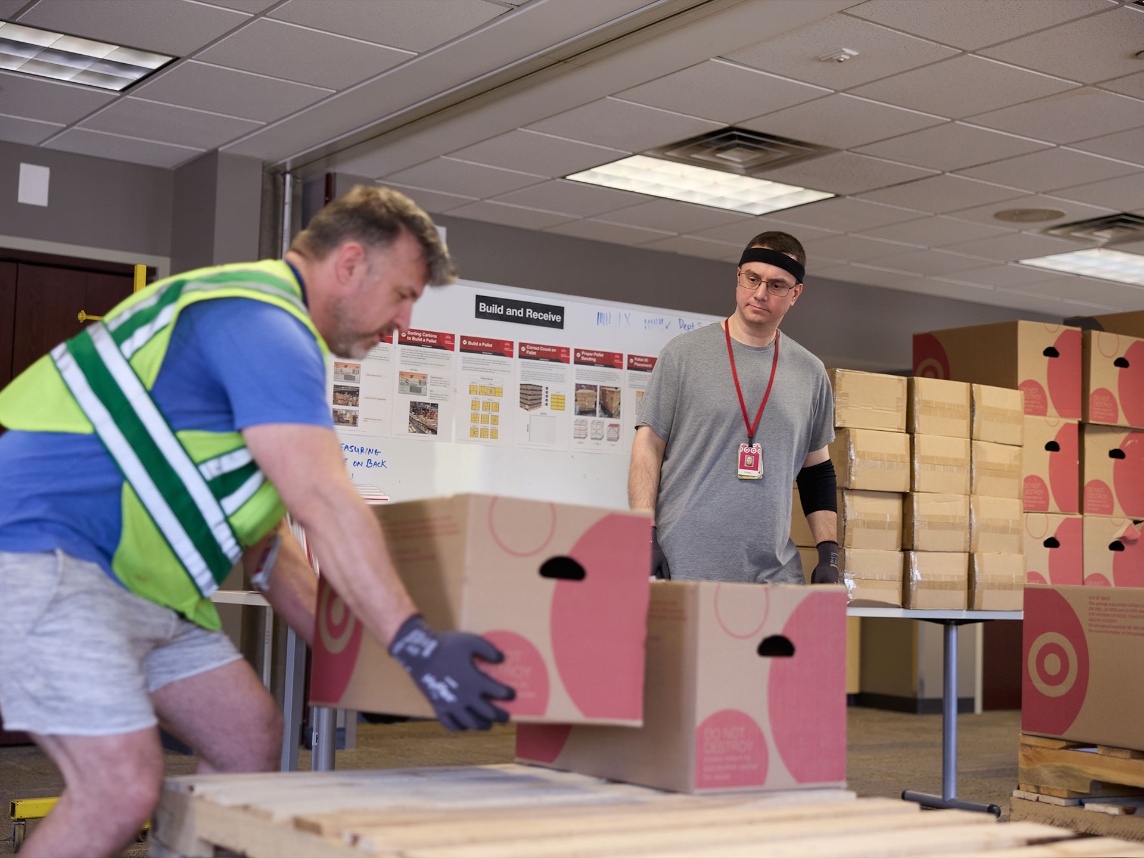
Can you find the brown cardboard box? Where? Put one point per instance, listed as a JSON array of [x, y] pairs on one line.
[[936, 581], [871, 459], [939, 464], [1112, 471], [998, 414], [865, 520], [996, 526], [1040, 359], [1054, 548], [995, 470], [939, 406], [872, 578], [1083, 650], [935, 522], [868, 400], [1131, 323], [745, 690], [1113, 379], [996, 582], [1113, 551], [561, 589], [1051, 465]]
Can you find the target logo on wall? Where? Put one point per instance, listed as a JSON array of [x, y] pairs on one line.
[[1056, 663]]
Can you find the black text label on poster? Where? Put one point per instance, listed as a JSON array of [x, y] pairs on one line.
[[519, 312]]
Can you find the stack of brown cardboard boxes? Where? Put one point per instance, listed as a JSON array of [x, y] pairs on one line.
[[1042, 363]]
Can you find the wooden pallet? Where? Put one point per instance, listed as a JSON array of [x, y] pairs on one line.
[[1093, 789], [513, 811]]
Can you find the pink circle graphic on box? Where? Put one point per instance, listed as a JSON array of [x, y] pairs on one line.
[[336, 646], [1128, 475], [1064, 472], [513, 538], [541, 742], [601, 671], [523, 669], [741, 617], [1130, 384], [1102, 407], [1066, 562], [1036, 402], [730, 751], [1035, 578], [1063, 374], [1098, 498], [806, 694], [1056, 667], [930, 359]]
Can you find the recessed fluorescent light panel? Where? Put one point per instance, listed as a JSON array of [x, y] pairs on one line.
[[698, 185], [42, 53], [1098, 262]]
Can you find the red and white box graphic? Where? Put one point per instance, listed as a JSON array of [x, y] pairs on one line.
[[560, 589], [1054, 548], [1112, 470], [745, 689], [1113, 379], [1050, 465], [1113, 552]]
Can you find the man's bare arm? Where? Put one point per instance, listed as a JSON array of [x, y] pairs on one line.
[[643, 472]]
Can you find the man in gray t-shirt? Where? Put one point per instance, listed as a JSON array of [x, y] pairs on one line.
[[733, 416]]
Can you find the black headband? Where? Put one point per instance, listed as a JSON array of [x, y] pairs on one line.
[[773, 257]]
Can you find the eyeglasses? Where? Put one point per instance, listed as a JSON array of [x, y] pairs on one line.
[[752, 281]]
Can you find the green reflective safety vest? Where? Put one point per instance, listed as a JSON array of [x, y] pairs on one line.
[[192, 500]]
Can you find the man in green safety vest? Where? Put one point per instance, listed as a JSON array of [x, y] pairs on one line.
[[147, 456]]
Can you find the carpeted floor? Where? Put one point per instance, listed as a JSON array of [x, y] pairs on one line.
[[887, 752]]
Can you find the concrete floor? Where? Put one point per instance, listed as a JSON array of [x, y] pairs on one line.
[[887, 752]]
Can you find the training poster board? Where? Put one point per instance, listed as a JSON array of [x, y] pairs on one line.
[[502, 391]]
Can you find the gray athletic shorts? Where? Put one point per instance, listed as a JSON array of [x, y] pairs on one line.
[[80, 655]]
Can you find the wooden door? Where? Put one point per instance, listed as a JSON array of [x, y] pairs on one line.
[[7, 318], [1001, 665]]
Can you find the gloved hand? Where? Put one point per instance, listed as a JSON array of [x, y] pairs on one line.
[[826, 572], [659, 567], [441, 663]]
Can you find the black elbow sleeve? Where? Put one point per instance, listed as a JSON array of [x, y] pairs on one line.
[[818, 488]]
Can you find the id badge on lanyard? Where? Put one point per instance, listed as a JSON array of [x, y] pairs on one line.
[[750, 461], [750, 455]]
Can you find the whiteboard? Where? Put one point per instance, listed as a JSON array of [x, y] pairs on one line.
[[505, 391]]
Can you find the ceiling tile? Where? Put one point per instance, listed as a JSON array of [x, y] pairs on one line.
[[691, 246], [173, 27], [1036, 302], [881, 52], [1001, 276], [934, 231], [509, 215], [119, 148], [972, 24], [9, 8], [541, 154], [932, 262], [305, 56], [844, 173], [460, 177], [740, 233], [1088, 289], [412, 25], [851, 248], [1090, 50], [1123, 194], [953, 146], [623, 125], [1126, 145], [1050, 169], [612, 233], [1132, 84], [841, 121], [47, 100], [252, 7], [1070, 116], [1010, 248], [1072, 210], [149, 120], [722, 92], [962, 86], [845, 214], [235, 93], [676, 217], [432, 201], [942, 193], [573, 198], [15, 129]]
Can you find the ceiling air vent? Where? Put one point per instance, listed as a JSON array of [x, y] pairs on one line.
[[736, 150], [1110, 229]]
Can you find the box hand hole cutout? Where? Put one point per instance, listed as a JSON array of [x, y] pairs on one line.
[[1052, 542], [1053, 447], [776, 646], [562, 569], [1116, 454], [1116, 546], [1051, 352], [1121, 363]]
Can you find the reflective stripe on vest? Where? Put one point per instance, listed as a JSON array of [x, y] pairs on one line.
[[169, 484]]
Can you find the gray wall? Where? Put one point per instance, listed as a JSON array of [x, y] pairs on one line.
[[217, 211], [92, 202]]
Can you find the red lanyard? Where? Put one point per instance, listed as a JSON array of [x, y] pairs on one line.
[[751, 427]]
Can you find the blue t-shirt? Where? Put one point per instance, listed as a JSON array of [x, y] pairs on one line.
[[232, 363]]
